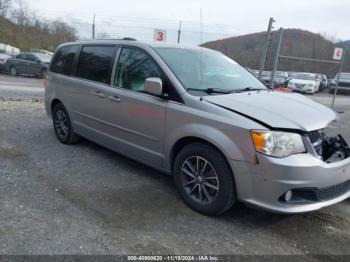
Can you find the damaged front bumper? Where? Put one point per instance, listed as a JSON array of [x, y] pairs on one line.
[[298, 183]]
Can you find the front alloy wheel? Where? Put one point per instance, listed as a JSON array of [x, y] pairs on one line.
[[204, 179], [200, 179]]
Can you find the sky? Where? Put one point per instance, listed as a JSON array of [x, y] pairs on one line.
[[220, 18]]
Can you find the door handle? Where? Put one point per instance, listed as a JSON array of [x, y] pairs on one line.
[[114, 98], [99, 94]]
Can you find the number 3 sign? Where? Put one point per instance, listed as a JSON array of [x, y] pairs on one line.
[[160, 35]]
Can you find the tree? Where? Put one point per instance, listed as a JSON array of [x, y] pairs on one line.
[[26, 30], [4, 7], [20, 14]]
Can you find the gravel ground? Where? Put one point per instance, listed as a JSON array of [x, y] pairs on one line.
[[85, 199]]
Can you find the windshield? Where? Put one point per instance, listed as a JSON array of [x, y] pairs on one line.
[[45, 58], [304, 76], [217, 71]]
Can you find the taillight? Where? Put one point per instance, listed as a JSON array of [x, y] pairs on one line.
[[46, 81]]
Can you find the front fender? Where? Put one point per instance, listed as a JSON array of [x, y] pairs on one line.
[[215, 136]]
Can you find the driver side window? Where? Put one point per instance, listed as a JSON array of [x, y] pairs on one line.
[[134, 66]]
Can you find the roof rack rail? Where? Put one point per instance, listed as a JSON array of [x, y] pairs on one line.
[[101, 39], [129, 39]]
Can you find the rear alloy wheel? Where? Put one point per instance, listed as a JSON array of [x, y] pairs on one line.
[[62, 125], [204, 179], [13, 71]]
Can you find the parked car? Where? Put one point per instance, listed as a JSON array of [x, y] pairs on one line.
[[304, 83], [324, 83], [344, 82], [196, 114], [255, 73], [318, 82], [265, 77], [3, 61], [281, 79], [34, 64]]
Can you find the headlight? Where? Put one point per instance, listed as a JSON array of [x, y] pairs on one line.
[[277, 144]]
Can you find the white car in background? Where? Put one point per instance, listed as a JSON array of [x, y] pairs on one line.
[[304, 83]]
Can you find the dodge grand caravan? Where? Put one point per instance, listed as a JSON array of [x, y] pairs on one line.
[[198, 115]]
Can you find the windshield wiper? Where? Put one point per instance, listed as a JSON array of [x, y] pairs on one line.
[[210, 90], [247, 89]]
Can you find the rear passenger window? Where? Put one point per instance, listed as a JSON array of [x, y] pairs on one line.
[[96, 63], [63, 61]]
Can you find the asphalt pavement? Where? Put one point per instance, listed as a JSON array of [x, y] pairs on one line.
[[85, 199]]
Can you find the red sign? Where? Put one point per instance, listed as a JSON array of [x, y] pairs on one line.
[[160, 35]]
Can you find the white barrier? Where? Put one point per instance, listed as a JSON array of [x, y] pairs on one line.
[[9, 49]]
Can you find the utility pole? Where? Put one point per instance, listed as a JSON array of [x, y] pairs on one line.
[[267, 47], [179, 34], [275, 62], [93, 27]]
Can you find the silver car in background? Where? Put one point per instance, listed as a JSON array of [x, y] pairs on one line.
[[196, 114], [304, 83]]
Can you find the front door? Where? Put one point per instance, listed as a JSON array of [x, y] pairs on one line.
[[137, 118]]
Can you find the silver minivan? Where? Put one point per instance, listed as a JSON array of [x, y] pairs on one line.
[[196, 114]]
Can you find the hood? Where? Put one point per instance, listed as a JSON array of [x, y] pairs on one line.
[[300, 81], [277, 110]]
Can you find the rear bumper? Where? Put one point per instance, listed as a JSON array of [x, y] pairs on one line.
[[264, 184]]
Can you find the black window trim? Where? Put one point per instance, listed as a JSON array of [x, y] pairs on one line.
[[177, 99], [77, 60], [74, 64]]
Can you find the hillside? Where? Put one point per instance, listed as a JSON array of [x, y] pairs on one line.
[[38, 36], [346, 43], [247, 50]]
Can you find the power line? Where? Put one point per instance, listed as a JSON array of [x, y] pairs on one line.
[[144, 19], [150, 20], [151, 28]]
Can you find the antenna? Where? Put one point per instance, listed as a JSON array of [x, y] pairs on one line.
[[93, 27], [179, 34], [201, 70], [201, 17]]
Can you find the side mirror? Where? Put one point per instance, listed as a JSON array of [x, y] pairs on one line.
[[154, 86]]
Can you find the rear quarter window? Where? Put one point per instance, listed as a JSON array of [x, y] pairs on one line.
[[63, 60], [96, 62]]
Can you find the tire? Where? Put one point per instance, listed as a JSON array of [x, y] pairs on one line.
[[216, 183], [62, 126], [13, 71], [43, 73]]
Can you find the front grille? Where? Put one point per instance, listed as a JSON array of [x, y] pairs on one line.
[[333, 191], [299, 85], [314, 136]]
